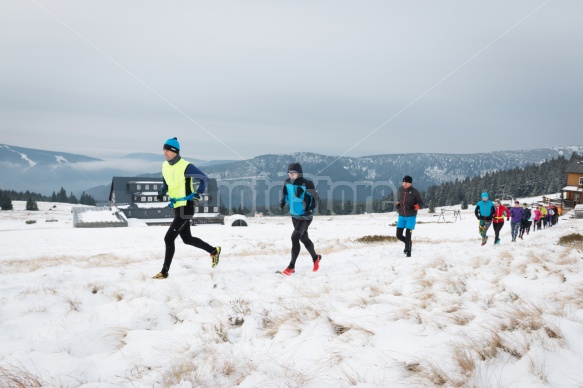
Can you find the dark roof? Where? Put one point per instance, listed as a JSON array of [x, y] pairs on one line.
[[575, 167]]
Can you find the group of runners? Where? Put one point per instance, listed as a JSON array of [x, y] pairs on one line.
[[521, 218], [299, 193]]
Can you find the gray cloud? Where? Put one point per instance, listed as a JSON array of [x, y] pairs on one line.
[[266, 77]]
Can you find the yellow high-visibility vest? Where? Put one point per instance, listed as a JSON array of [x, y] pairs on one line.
[[174, 177]]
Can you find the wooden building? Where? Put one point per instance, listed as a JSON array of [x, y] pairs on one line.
[[573, 192]]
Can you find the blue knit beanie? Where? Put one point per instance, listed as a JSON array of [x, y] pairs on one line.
[[172, 145]]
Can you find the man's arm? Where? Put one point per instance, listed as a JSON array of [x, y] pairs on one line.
[[193, 172]]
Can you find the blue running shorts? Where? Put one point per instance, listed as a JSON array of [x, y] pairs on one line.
[[407, 222]]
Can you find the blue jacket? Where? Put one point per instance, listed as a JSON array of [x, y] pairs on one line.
[[300, 194], [485, 210]]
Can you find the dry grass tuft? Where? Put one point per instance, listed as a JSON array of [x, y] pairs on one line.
[[73, 303], [341, 328], [571, 239], [434, 373], [240, 308], [537, 370], [373, 239], [119, 335], [522, 316], [271, 321], [16, 377], [464, 358], [461, 318]]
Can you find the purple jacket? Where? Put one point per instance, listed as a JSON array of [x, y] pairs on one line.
[[516, 214]]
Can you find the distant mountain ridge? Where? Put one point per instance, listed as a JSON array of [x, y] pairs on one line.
[[426, 168], [47, 171]]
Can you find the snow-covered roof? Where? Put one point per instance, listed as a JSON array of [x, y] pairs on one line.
[[572, 188]]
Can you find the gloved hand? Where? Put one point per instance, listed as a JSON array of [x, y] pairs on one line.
[[195, 199], [416, 207], [397, 205], [160, 196], [282, 204]]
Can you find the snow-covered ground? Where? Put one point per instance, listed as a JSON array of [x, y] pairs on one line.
[[78, 306]]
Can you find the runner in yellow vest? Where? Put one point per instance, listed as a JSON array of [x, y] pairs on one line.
[[178, 175]]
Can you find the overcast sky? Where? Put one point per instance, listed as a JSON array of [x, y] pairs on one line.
[[237, 79]]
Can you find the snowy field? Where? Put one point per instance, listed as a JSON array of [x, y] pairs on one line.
[[78, 307]]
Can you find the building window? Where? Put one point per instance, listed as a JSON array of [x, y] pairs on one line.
[[206, 209], [154, 187], [147, 187], [142, 199], [139, 187], [149, 199], [215, 209], [581, 181]]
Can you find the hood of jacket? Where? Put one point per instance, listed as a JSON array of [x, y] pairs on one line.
[[295, 167]]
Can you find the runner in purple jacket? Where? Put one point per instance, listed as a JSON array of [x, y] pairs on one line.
[[516, 214]]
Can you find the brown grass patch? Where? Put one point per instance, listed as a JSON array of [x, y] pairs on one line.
[[373, 239], [571, 239]]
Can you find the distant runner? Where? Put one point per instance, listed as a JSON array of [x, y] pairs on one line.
[[408, 202]]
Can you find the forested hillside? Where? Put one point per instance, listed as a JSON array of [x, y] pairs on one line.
[[529, 181]]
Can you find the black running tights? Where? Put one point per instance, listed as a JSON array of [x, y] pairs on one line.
[[300, 233], [406, 238], [180, 226]]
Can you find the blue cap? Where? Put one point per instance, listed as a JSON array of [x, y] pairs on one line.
[[485, 195], [172, 145]]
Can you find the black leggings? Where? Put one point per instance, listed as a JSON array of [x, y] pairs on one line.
[[180, 226], [497, 227], [300, 233], [406, 239]]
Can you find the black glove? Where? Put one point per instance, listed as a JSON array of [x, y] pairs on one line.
[[160, 196], [282, 204], [397, 205]]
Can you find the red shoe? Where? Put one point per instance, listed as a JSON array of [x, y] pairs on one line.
[[317, 264], [288, 271]]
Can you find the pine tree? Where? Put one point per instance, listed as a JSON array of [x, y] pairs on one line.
[[5, 202], [87, 199], [72, 199], [431, 206], [464, 204], [62, 196], [31, 204]]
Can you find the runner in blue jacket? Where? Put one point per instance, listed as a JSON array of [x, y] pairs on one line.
[[484, 212], [300, 193]]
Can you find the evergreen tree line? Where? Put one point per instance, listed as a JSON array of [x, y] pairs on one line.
[[7, 196], [530, 181]]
